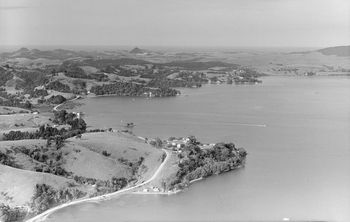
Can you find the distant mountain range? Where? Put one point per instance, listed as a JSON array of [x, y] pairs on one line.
[[47, 54], [338, 51], [62, 54]]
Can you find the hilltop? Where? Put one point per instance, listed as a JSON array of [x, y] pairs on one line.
[[137, 50], [337, 51]]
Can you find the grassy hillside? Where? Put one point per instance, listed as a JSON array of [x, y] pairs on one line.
[[20, 121], [37, 175], [17, 186], [96, 155], [123, 149]]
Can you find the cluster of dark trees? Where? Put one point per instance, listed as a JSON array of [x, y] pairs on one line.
[[5, 76], [118, 183], [44, 132], [132, 89], [48, 132], [58, 86], [19, 135], [56, 99], [196, 162], [64, 117], [46, 196], [31, 79], [157, 142], [49, 161], [165, 82], [247, 75], [6, 159], [46, 160], [78, 126], [74, 71], [197, 77], [105, 153], [55, 170], [10, 214], [79, 86], [12, 100], [38, 93], [121, 71], [103, 186], [16, 103], [98, 130], [85, 180]]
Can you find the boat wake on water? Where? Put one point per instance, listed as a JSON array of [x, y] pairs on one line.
[[249, 124]]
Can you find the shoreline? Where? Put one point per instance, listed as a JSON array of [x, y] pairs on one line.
[[92, 95], [42, 216], [196, 180], [70, 100], [166, 193], [179, 191], [156, 193]]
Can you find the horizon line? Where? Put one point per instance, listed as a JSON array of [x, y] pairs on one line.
[[157, 46]]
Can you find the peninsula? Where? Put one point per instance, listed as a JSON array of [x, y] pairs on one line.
[[50, 158], [63, 163]]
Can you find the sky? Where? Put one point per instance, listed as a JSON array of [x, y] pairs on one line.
[[184, 23]]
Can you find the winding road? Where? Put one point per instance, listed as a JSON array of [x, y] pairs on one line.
[[45, 214], [56, 107]]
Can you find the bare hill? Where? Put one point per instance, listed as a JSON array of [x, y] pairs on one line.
[[338, 51]]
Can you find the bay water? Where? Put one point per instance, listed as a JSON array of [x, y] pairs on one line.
[[297, 134]]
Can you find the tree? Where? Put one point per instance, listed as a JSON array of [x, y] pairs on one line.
[[158, 142], [105, 153], [78, 124], [118, 183], [27, 105], [60, 116], [193, 140], [59, 142]]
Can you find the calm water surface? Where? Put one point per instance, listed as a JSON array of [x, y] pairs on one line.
[[295, 129]]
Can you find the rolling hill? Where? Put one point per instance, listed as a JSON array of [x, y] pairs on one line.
[[337, 51]]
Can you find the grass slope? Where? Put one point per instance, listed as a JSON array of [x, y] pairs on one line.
[[121, 145], [17, 186]]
